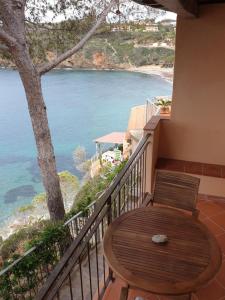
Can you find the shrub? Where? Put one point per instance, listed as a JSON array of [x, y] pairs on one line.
[[50, 244], [15, 243]]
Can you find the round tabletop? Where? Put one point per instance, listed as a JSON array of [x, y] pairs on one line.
[[189, 259]]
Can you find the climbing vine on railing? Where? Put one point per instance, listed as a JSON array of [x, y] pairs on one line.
[[22, 280]]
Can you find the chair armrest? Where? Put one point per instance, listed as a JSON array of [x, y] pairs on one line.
[[147, 199], [195, 213]]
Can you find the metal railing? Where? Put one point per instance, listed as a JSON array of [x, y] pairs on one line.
[[151, 110], [25, 276], [82, 272]]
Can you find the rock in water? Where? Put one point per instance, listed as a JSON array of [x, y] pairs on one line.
[[15, 194]]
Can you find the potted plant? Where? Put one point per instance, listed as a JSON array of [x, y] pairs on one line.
[[164, 104]]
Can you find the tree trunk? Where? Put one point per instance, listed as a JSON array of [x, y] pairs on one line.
[[13, 34], [37, 109]]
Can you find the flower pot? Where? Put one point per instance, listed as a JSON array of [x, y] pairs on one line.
[[164, 109]]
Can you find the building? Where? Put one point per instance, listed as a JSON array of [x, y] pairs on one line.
[[168, 22]]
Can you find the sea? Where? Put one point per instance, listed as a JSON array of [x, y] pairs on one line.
[[82, 105]]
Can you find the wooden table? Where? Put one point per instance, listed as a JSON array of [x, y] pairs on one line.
[[189, 260]]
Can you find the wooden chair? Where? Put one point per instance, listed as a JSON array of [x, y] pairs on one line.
[[177, 190]]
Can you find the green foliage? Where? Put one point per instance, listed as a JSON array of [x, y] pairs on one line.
[[14, 244], [95, 186], [69, 184], [79, 155], [51, 233], [88, 193], [50, 239], [117, 47], [66, 178], [80, 160], [25, 208], [39, 199], [163, 102], [51, 242]]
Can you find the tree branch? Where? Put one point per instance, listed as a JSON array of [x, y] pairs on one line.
[[49, 66], [6, 38]]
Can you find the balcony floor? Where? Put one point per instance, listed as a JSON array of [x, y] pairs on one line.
[[212, 213]]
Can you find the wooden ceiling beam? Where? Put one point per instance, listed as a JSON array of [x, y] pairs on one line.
[[186, 8]]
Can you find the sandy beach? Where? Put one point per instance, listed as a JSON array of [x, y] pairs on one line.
[[165, 73]]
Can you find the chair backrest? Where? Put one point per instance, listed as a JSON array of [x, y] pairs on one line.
[[176, 190]]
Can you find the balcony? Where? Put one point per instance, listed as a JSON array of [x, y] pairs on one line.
[[82, 272]]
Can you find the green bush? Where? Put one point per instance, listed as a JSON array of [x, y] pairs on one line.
[[93, 187], [51, 242], [15, 243], [25, 208]]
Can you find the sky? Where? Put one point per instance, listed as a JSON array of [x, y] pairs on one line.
[[49, 16], [168, 15]]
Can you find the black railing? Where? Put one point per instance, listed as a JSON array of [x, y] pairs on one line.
[[23, 278], [82, 272]]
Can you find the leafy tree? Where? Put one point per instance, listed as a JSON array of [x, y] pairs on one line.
[[79, 155], [69, 184], [80, 160], [18, 19], [14, 35]]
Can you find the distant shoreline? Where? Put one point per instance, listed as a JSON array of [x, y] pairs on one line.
[[164, 73]]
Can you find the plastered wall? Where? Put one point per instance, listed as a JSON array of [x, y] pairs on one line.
[[196, 131]]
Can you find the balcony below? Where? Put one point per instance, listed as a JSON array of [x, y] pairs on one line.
[[212, 214]]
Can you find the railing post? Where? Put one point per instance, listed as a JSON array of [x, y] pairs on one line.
[[109, 221], [152, 128], [109, 210], [119, 200]]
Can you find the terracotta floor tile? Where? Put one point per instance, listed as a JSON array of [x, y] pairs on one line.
[[219, 219], [220, 202], [214, 228], [202, 197], [221, 241], [113, 290], [193, 297], [214, 198], [210, 209], [213, 291], [202, 217], [145, 296], [201, 204], [221, 275], [175, 298]]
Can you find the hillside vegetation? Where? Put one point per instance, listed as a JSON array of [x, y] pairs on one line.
[[110, 47]]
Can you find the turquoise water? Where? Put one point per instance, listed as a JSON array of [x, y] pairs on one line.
[[81, 105]]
